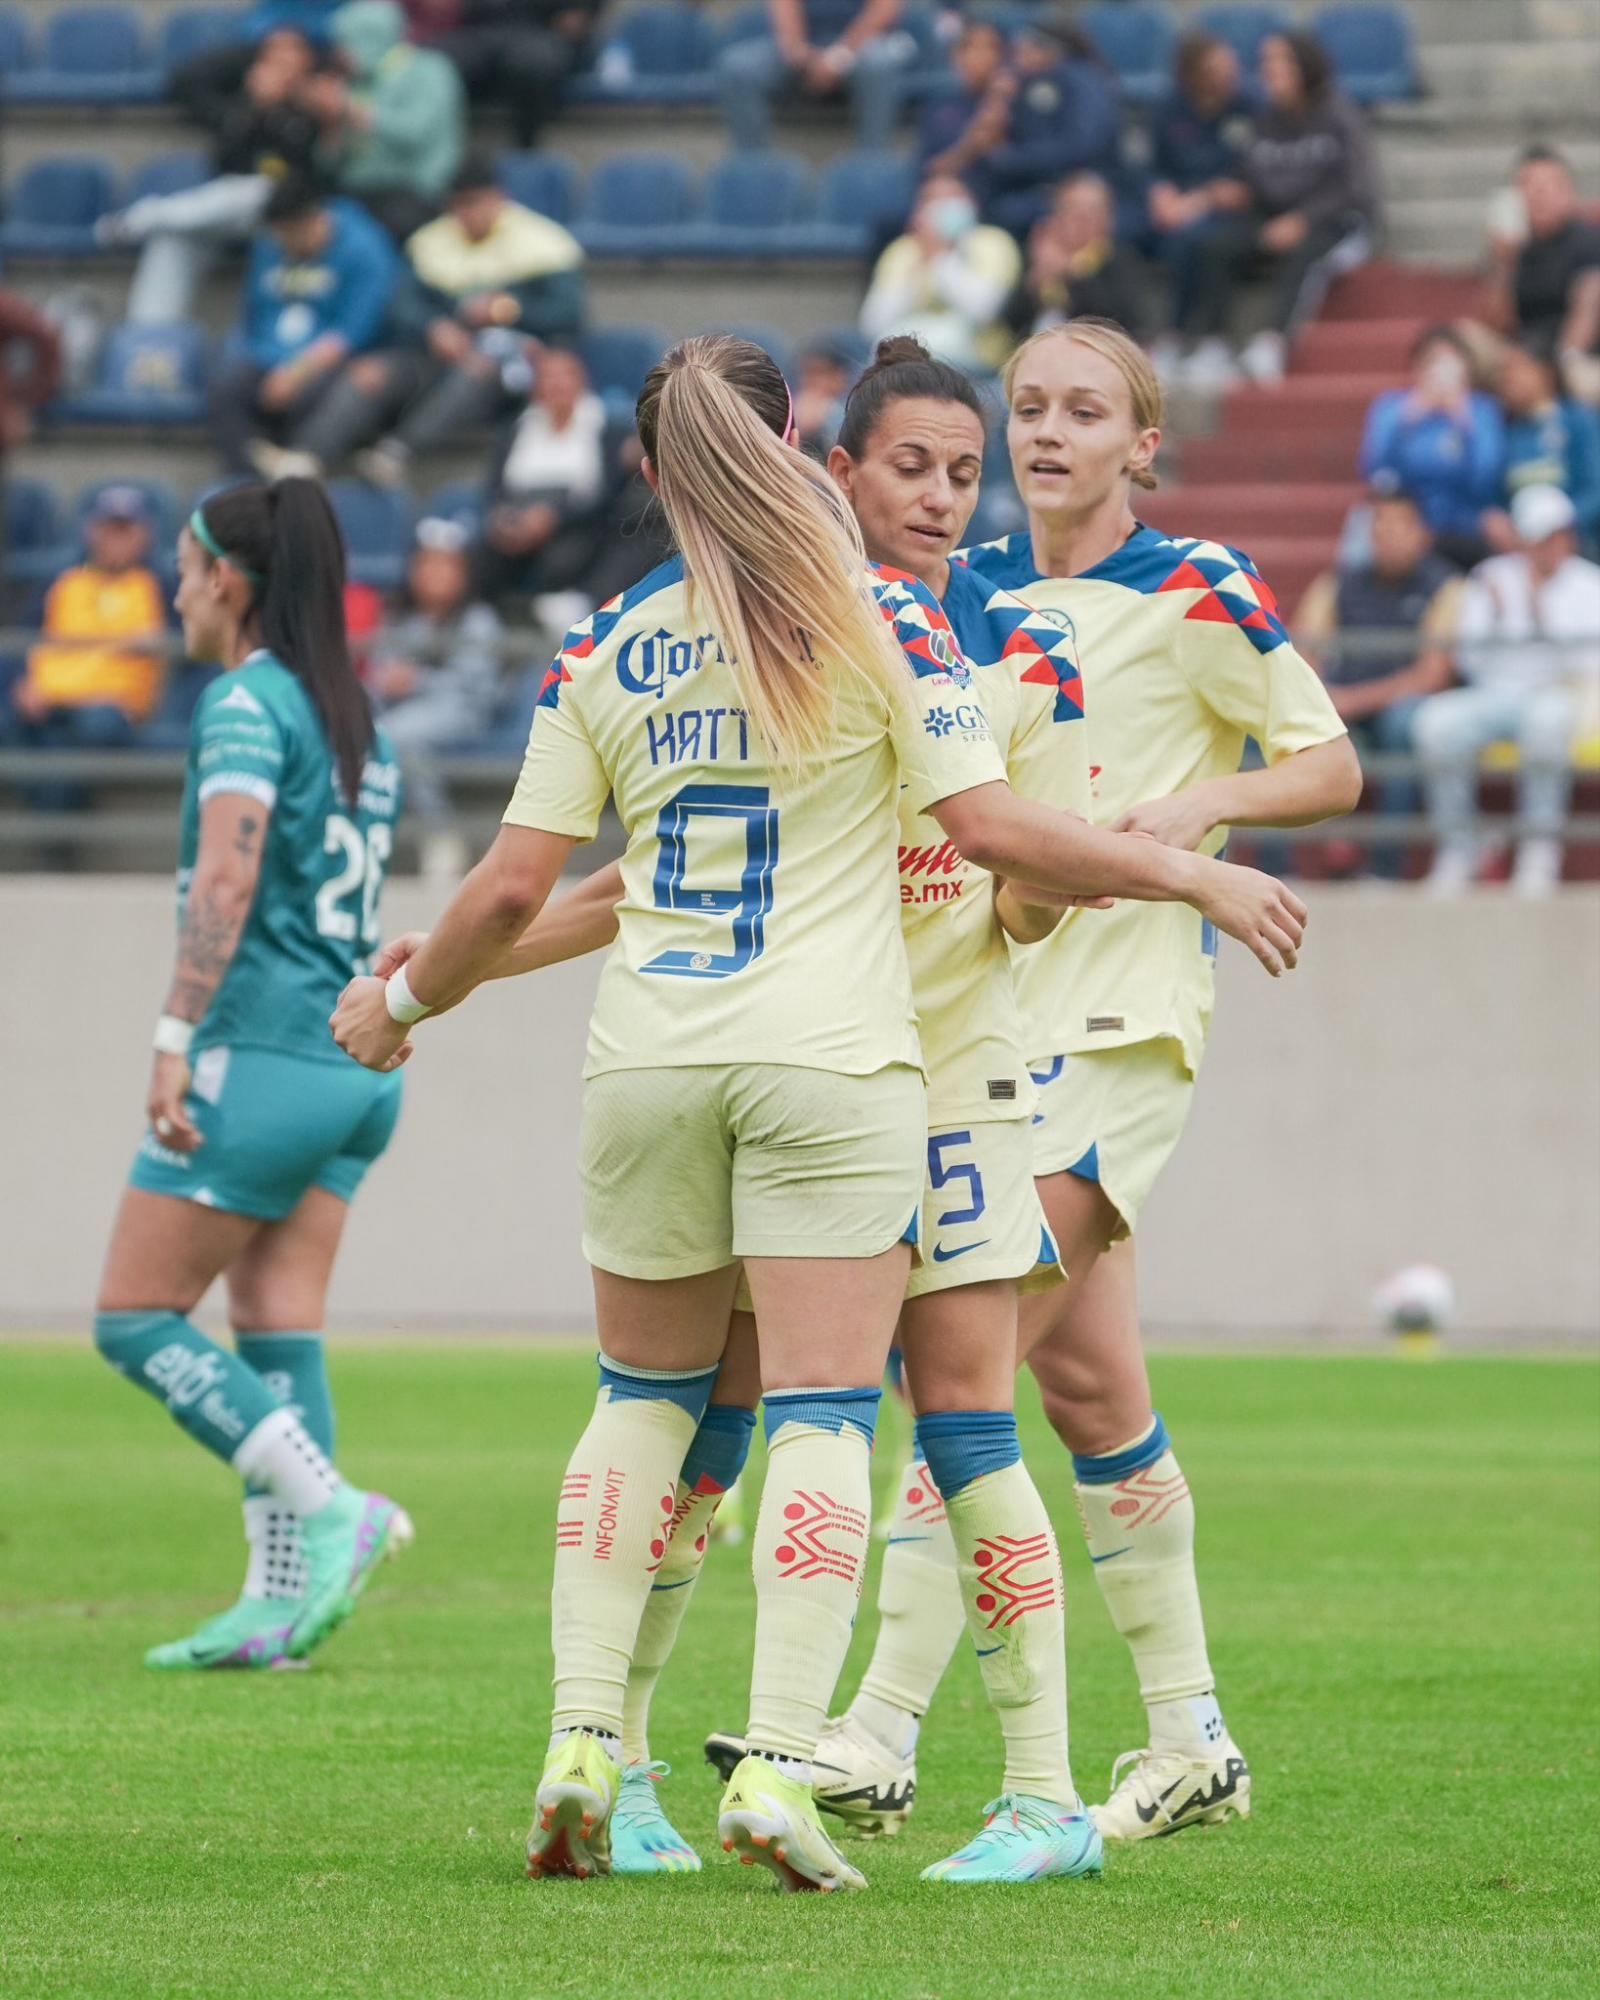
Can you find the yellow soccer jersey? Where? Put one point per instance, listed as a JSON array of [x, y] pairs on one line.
[[1183, 656], [759, 920], [1026, 677]]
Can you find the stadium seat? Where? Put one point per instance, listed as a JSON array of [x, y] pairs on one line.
[[862, 194], [195, 31], [167, 173], [461, 500], [638, 205], [618, 358], [37, 545], [847, 341], [1137, 41], [14, 51], [746, 24], [670, 51], [88, 55], [147, 375], [1244, 29], [1372, 52], [168, 728], [377, 531], [54, 206], [752, 201], [544, 182]]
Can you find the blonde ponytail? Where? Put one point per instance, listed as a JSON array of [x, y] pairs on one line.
[[770, 547]]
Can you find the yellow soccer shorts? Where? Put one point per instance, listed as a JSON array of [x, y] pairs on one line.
[[981, 1217], [687, 1169], [1112, 1116]]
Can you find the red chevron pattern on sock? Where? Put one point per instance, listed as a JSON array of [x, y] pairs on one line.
[[1145, 1496], [1019, 1574], [805, 1550]]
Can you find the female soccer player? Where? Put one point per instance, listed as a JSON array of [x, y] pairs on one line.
[[909, 460], [747, 1097], [260, 1131], [1183, 656]]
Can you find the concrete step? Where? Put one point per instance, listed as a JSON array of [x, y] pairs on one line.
[[1453, 227], [1545, 79], [1245, 514], [1383, 289], [1452, 165], [1265, 455], [1335, 347]]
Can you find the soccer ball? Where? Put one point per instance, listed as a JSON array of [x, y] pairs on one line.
[[1419, 1299]]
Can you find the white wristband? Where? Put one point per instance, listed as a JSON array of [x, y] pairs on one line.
[[403, 1004], [173, 1036]]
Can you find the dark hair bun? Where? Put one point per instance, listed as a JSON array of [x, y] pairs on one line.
[[897, 348]]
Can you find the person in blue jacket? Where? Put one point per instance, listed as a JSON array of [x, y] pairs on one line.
[[318, 290], [1443, 441], [1051, 113], [1550, 440]]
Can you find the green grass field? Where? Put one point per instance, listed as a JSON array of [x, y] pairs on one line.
[[1400, 1571]]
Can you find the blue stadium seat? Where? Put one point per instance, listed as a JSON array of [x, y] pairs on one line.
[[195, 31], [54, 205], [36, 543], [618, 358], [148, 375], [168, 728], [14, 48], [1372, 52], [377, 531], [461, 500], [847, 341], [752, 201], [168, 173], [1244, 29], [638, 205], [861, 195], [671, 49], [1137, 41], [546, 182], [89, 55], [747, 24]]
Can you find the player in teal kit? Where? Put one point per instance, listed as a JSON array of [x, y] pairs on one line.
[[260, 1130]]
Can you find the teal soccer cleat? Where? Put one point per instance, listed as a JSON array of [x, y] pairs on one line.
[[643, 1840], [1024, 1840], [344, 1542], [253, 1633]]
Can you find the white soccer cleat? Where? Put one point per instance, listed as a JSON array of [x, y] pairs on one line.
[[861, 1781], [1156, 1792]]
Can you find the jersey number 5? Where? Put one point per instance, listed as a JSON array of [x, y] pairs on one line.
[[363, 862], [745, 907]]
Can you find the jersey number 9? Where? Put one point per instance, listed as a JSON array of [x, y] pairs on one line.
[[746, 907]]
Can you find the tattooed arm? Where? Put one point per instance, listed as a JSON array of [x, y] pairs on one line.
[[233, 831]]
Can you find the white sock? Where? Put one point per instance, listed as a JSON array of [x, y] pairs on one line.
[[281, 1455], [894, 1727], [276, 1567], [1194, 1724], [921, 1619]]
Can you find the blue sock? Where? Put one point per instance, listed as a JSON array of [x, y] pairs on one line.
[[294, 1368], [720, 1448], [688, 1388], [959, 1446], [216, 1397], [1119, 1465], [825, 1409]]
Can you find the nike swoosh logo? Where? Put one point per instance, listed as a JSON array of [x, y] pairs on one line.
[[894, 1541], [947, 1256], [985, 1651], [1148, 1813], [1107, 1558]]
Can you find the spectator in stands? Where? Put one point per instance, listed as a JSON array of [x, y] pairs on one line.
[[818, 48], [436, 676], [261, 132], [482, 280], [1551, 440], [823, 374], [393, 117], [321, 279], [1076, 266], [1545, 285], [1052, 112], [1198, 138], [514, 53], [945, 280], [32, 374], [1380, 634], [1442, 440], [1528, 651], [98, 670], [1302, 210], [566, 500], [976, 59], [203, 87]]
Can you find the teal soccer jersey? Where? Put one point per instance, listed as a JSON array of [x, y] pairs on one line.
[[314, 922]]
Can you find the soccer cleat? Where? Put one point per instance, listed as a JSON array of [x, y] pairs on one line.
[[1162, 1791], [1024, 1840], [252, 1633], [343, 1543], [861, 1781], [725, 1752], [768, 1818], [572, 1811], [643, 1840]]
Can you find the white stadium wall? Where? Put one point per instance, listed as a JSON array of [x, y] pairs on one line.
[[1426, 1088]]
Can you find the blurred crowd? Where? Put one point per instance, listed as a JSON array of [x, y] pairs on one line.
[[396, 298]]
